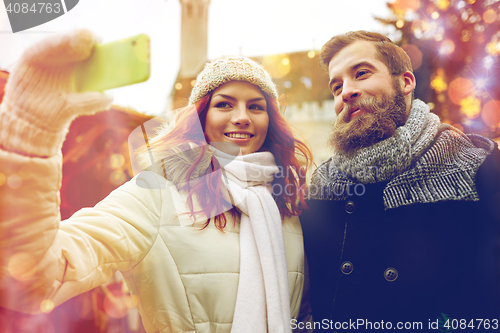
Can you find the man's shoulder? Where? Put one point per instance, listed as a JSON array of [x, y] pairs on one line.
[[454, 148], [488, 175], [322, 170], [451, 135]]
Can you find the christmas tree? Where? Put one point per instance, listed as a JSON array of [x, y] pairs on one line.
[[455, 50]]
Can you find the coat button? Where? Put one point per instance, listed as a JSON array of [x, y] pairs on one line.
[[391, 274], [346, 267], [350, 207]]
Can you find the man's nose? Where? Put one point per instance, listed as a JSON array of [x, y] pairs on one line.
[[350, 92]]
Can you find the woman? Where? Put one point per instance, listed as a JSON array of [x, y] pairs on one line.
[[199, 239]]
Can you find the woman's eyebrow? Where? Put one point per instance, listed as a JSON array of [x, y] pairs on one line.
[[256, 99], [233, 99], [225, 96]]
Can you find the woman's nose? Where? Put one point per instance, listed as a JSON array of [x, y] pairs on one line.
[[240, 116]]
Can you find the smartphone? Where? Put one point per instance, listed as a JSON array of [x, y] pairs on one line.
[[114, 65]]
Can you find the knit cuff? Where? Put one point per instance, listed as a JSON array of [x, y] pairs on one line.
[[19, 136]]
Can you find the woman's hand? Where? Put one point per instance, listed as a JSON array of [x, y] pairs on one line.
[[39, 102]]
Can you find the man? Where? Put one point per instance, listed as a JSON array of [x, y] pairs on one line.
[[403, 226]]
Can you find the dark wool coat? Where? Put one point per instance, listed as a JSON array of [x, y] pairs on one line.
[[420, 262]]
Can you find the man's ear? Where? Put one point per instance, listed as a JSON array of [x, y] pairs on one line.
[[409, 82]]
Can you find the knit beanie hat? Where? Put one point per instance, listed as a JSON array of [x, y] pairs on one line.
[[223, 70]]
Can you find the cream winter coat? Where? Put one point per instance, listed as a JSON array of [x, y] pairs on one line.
[[185, 278]]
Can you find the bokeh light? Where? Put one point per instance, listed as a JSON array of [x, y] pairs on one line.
[[459, 89], [311, 54], [465, 36], [470, 107], [115, 306], [117, 160], [491, 113], [117, 177], [480, 83], [443, 4], [417, 27], [276, 65], [14, 181], [22, 266], [47, 306], [490, 16], [401, 6], [447, 47], [438, 81], [488, 62], [435, 15], [493, 47]]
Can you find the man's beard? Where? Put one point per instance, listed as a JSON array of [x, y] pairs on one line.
[[377, 123]]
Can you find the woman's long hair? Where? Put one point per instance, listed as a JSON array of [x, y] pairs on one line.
[[288, 184]]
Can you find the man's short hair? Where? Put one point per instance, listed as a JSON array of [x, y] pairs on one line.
[[394, 57]]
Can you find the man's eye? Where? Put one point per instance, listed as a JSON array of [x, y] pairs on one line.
[[222, 105], [336, 89], [361, 73]]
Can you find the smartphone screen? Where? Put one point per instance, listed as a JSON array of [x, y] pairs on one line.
[[114, 65]]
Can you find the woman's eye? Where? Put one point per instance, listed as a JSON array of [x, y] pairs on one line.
[[222, 105], [257, 107]]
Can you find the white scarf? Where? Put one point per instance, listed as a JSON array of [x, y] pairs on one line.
[[263, 290]]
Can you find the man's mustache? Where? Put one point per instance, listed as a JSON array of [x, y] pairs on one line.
[[367, 105]]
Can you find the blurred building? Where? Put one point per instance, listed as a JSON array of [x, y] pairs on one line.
[[303, 86]]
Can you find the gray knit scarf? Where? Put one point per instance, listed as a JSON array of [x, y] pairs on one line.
[[424, 161]]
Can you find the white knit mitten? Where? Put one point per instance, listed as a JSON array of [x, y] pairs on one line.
[[39, 102]]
